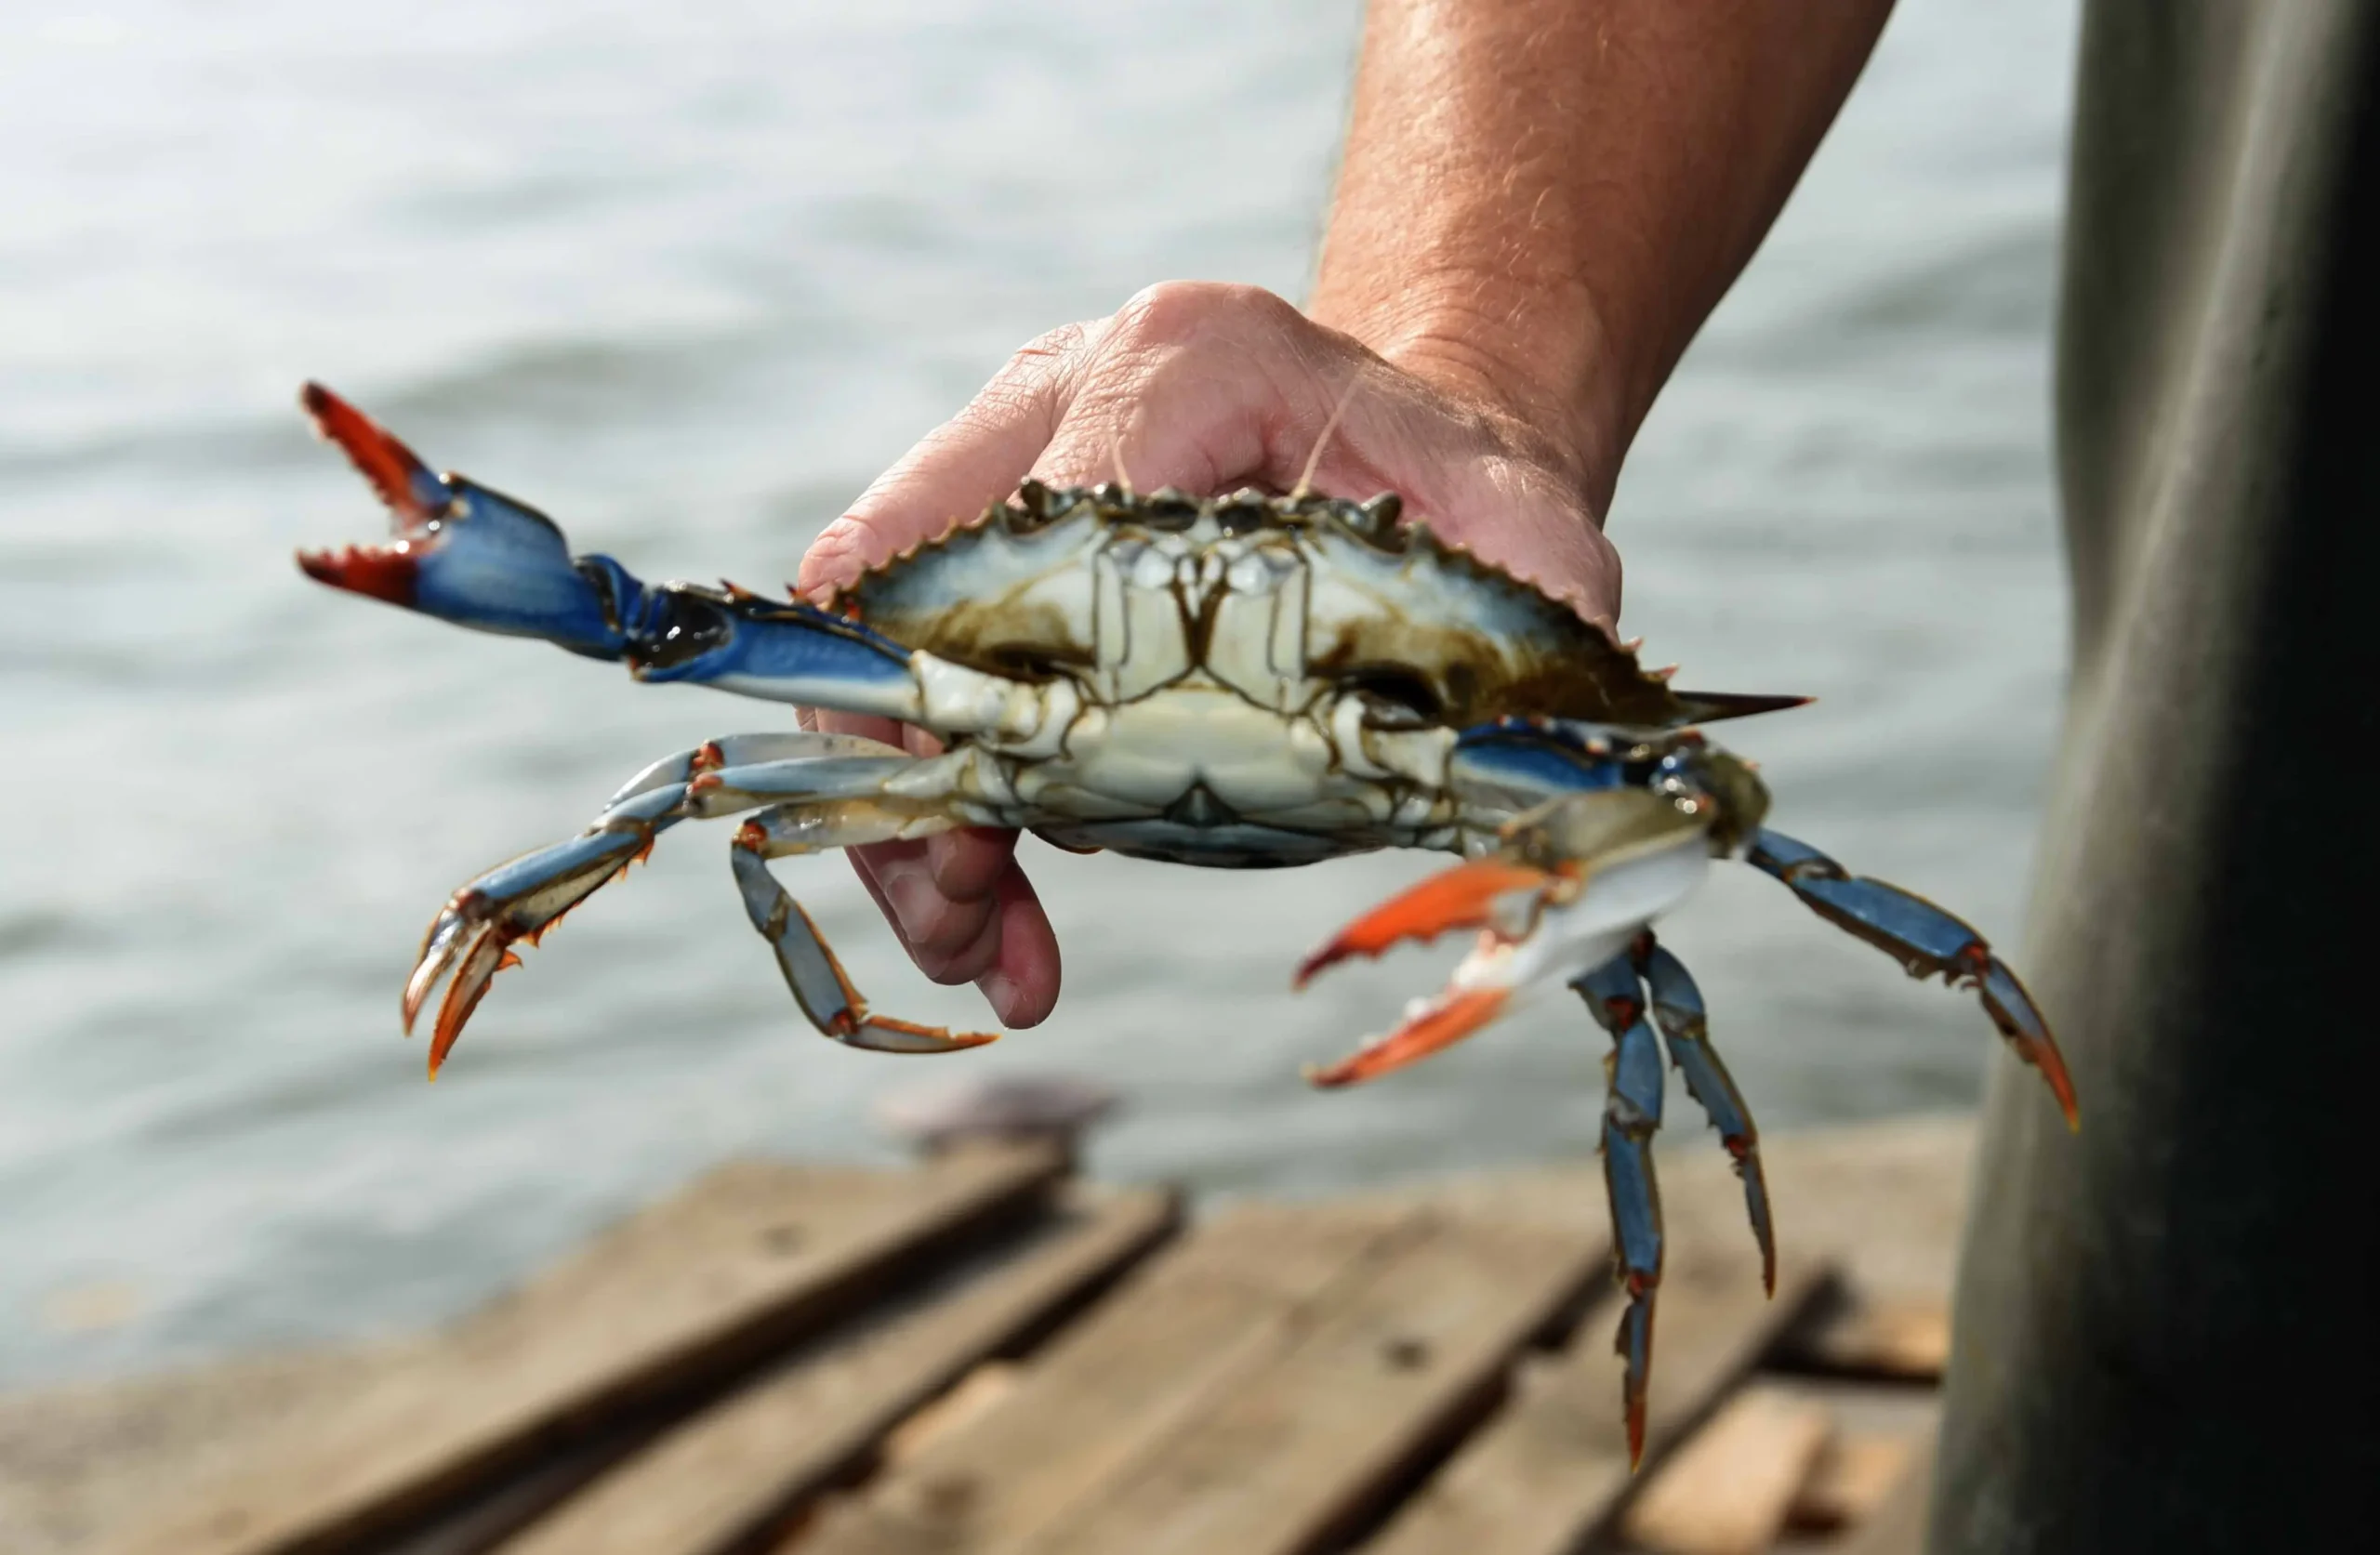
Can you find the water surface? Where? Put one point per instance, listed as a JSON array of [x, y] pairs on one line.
[[687, 277]]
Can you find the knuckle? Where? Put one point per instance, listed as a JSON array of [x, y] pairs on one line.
[[1185, 312]]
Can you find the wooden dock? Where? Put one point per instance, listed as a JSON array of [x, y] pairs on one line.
[[983, 1355]]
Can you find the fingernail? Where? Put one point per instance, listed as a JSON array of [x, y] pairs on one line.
[[999, 990]]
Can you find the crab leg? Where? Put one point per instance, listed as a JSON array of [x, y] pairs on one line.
[[736, 752], [1632, 1114], [1925, 939], [479, 559], [472, 937], [1574, 881], [820, 986], [1678, 1010], [473, 934]]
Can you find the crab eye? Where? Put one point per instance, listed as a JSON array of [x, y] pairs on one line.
[[1396, 699]]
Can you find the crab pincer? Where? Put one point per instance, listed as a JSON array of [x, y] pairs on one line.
[[464, 553], [1571, 884], [1471, 895]]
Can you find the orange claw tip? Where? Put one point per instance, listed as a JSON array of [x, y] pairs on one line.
[[1439, 1024], [883, 1034], [1635, 1434], [441, 1043], [461, 999], [376, 572], [1463, 897], [390, 466], [2045, 1056]]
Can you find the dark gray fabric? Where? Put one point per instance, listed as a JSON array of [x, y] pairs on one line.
[[2166, 1326]]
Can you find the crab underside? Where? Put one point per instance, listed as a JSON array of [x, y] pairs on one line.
[[1234, 681]]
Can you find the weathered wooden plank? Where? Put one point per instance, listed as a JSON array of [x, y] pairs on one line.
[[1195, 1322], [1552, 1468], [1848, 1482], [1728, 1488], [1390, 1369], [720, 1481], [679, 1299], [969, 1398], [1898, 1526], [1901, 1338]]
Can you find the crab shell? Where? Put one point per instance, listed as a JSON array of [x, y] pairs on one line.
[[1280, 599]]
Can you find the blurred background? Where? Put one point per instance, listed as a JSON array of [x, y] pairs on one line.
[[687, 277]]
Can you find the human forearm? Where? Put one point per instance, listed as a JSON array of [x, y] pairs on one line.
[[1542, 199]]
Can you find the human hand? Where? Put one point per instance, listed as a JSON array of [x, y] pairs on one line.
[[1208, 387]]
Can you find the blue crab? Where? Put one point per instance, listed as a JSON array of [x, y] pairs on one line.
[[1234, 681]]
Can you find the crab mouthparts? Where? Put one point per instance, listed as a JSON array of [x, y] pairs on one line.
[[386, 573]]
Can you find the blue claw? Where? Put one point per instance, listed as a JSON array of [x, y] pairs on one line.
[[466, 554], [1678, 1010], [1923, 938], [1632, 1113], [479, 559]]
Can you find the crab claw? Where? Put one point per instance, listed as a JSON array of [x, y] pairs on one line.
[[1470, 895], [1614, 860], [464, 553], [1429, 1025], [414, 493]]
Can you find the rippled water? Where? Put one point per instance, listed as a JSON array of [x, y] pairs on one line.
[[688, 276]]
